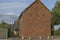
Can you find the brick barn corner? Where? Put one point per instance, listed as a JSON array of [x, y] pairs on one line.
[[35, 21]]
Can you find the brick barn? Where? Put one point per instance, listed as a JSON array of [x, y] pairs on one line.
[[35, 21]]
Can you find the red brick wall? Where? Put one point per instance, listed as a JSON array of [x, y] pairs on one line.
[[35, 22]]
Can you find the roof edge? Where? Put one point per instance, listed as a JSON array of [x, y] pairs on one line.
[[26, 9], [31, 5]]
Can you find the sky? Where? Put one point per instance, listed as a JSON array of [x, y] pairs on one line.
[[11, 9]]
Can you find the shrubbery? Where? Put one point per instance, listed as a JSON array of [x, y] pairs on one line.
[[57, 32], [5, 25]]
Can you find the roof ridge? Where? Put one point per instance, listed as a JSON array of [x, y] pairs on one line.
[[31, 5]]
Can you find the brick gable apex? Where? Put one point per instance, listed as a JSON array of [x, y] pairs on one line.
[[38, 1]]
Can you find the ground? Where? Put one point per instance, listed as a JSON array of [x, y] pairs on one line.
[[11, 38], [17, 38]]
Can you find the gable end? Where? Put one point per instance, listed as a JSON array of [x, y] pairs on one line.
[[30, 6]]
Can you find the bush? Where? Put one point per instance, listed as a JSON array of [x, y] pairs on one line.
[[57, 33]]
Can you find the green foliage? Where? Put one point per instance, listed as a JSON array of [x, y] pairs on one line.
[[56, 14], [55, 17], [57, 32], [3, 24]]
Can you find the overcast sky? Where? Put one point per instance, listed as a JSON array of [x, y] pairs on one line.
[[11, 9]]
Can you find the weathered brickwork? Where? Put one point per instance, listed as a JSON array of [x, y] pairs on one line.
[[35, 21]]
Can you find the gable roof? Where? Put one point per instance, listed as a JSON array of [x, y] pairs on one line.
[[31, 5]]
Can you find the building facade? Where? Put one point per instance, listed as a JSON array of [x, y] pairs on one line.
[[35, 21]]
